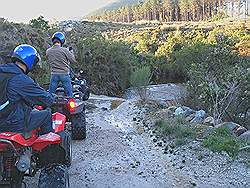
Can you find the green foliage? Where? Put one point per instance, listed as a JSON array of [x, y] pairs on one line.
[[214, 71], [107, 63], [144, 42], [218, 17], [174, 42], [140, 77], [40, 23], [178, 129], [223, 140], [12, 35]]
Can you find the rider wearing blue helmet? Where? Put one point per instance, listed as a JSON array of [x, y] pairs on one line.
[[19, 93], [60, 59]]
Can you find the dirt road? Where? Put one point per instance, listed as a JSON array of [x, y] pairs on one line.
[[115, 154]]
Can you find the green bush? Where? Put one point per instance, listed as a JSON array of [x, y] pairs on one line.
[[223, 140], [178, 129], [40, 23], [107, 63], [140, 79], [217, 80]]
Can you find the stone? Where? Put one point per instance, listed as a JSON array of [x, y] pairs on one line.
[[199, 116], [189, 118], [230, 125], [245, 136], [209, 121], [183, 111], [240, 130], [188, 111], [178, 111], [172, 108], [104, 108]]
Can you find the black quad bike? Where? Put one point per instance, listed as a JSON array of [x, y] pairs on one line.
[[24, 154], [74, 108]]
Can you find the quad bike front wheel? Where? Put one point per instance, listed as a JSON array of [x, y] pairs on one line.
[[55, 176], [78, 126]]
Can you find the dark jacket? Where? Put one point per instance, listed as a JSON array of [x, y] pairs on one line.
[[25, 93]]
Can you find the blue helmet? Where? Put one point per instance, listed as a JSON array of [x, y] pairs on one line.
[[60, 36], [26, 54]]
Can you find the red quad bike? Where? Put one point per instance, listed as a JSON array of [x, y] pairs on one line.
[[24, 154]]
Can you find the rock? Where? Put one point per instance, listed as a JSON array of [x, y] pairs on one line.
[[245, 136], [189, 118], [199, 116], [140, 173], [188, 111], [104, 108], [159, 144], [240, 130], [230, 125], [209, 121], [178, 111], [184, 111], [193, 184], [154, 139], [172, 108]]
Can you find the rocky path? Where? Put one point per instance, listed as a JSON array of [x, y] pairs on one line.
[[119, 153], [116, 154]]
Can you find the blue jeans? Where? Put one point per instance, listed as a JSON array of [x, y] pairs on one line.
[[40, 119], [66, 83]]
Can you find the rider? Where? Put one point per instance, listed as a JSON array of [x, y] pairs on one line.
[[19, 93], [59, 59]]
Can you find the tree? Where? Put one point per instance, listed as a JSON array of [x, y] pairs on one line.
[[40, 23]]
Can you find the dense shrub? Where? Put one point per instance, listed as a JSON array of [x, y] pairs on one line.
[[217, 80], [12, 34], [107, 63]]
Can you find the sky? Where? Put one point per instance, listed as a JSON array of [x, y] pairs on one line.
[[25, 10]]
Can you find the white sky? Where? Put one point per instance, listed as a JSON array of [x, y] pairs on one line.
[[25, 10]]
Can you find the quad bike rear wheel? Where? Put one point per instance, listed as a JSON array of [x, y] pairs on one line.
[[55, 176], [86, 96], [78, 126], [68, 148]]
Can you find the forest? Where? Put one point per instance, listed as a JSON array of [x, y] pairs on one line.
[[174, 10]]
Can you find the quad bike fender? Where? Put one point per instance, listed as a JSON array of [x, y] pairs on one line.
[[18, 138], [45, 140], [64, 138], [56, 153]]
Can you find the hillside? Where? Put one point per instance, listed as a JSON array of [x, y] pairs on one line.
[[169, 11], [114, 5]]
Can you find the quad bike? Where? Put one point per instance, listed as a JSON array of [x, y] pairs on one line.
[[74, 108], [24, 154]]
